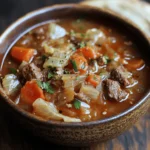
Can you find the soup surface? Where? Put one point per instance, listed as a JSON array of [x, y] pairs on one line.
[[75, 70]]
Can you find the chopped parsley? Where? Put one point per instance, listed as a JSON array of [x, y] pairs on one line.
[[45, 86], [106, 59], [77, 78], [72, 33], [76, 103], [50, 75], [13, 70], [95, 78], [82, 44], [74, 65], [44, 57], [73, 49]]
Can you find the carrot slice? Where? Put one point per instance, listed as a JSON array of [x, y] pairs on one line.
[[88, 53], [135, 64], [79, 63], [30, 92], [93, 79], [22, 54]]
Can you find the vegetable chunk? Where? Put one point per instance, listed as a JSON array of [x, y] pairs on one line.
[[22, 54], [93, 79], [31, 91], [79, 63], [49, 111]]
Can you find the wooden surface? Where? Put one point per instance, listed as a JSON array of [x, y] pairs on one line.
[[13, 137]]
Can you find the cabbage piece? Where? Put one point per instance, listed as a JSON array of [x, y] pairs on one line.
[[96, 36], [55, 62], [55, 31], [48, 49], [62, 54], [48, 110], [11, 84], [89, 92], [63, 51], [72, 80]]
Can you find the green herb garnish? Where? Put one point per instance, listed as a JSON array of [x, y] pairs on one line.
[[73, 49], [44, 57], [77, 78], [74, 65], [50, 75], [72, 33], [76, 104], [13, 70], [45, 86], [106, 59], [82, 44]]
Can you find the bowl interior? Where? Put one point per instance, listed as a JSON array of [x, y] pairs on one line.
[[31, 20]]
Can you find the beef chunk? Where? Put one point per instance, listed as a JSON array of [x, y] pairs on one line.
[[31, 71], [82, 97], [120, 74], [101, 61], [38, 61], [113, 90], [45, 74]]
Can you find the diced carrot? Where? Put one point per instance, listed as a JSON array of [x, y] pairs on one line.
[[30, 92], [93, 79], [88, 53], [80, 62], [22, 54], [135, 63]]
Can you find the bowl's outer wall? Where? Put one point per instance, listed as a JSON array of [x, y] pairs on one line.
[[73, 135], [81, 135]]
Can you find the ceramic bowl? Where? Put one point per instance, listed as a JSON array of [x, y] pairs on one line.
[[74, 134]]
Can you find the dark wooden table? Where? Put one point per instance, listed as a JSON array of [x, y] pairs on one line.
[[13, 138]]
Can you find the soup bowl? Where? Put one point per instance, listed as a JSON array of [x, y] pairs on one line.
[[83, 133]]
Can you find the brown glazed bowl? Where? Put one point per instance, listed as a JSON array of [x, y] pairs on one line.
[[84, 133]]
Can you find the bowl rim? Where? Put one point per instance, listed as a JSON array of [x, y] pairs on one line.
[[72, 124]]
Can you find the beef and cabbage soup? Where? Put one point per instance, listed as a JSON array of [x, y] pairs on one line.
[[75, 70]]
